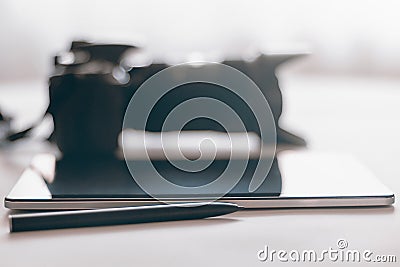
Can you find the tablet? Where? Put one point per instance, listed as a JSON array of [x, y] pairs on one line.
[[296, 179]]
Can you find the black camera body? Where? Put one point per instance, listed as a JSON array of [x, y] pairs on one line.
[[93, 84]]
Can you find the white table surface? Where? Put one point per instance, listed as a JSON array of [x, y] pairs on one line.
[[358, 116]]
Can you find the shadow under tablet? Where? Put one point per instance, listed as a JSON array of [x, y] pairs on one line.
[[110, 178]]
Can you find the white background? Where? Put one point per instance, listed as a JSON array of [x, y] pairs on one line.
[[347, 37]]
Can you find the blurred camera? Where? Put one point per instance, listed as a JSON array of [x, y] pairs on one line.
[[93, 84]]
